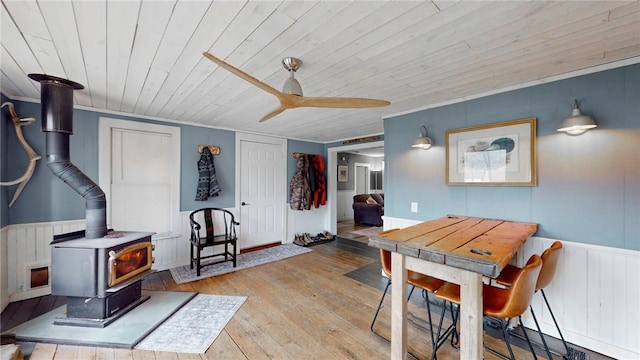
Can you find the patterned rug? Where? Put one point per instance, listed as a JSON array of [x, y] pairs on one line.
[[194, 327], [184, 274]]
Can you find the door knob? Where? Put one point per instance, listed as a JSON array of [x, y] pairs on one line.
[[244, 203]]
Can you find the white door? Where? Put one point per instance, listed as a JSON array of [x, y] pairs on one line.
[[138, 175], [261, 193], [361, 178]]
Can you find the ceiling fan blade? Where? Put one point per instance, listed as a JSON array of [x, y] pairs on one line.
[[274, 113], [339, 102], [290, 101], [243, 75]]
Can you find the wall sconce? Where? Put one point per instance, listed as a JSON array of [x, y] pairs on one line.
[[423, 141], [577, 123]]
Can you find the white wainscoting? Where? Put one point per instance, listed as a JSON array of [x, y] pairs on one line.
[[28, 244], [594, 295], [306, 221], [4, 281]]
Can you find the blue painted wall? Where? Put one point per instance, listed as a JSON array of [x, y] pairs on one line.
[[589, 185], [47, 198], [224, 163]]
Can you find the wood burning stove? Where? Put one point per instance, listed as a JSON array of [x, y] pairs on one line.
[[100, 272], [102, 279]]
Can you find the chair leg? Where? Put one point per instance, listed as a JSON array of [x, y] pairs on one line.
[[454, 317], [191, 257], [198, 261], [556, 323], [441, 337], [505, 332], [379, 307], [380, 304], [426, 295], [533, 352], [544, 342], [235, 254]]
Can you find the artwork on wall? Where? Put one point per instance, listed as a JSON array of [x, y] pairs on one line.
[[499, 154], [343, 173]]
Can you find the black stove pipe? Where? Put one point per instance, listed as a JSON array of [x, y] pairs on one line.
[[56, 98]]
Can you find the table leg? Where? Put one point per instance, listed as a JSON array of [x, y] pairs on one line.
[[471, 346], [398, 306]]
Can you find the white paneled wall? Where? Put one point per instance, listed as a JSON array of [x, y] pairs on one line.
[[4, 286], [305, 221], [27, 245], [594, 295]]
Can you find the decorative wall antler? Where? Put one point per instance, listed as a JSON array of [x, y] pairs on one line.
[[33, 156]]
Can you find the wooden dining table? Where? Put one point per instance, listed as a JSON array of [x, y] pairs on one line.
[[454, 248]]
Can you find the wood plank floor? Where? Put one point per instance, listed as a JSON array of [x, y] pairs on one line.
[[317, 305]]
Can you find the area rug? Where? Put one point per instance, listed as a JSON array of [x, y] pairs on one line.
[[368, 231], [194, 327], [184, 274]]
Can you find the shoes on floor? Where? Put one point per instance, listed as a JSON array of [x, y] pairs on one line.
[[306, 239]]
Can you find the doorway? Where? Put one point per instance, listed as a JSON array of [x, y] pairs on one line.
[[332, 177]]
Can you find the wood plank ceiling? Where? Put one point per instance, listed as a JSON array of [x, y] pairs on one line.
[[145, 57]]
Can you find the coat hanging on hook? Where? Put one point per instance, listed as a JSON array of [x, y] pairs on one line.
[[207, 181]]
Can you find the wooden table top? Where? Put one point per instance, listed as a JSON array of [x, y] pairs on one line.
[[481, 245]]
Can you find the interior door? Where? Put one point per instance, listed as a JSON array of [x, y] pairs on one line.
[[361, 178], [261, 194]]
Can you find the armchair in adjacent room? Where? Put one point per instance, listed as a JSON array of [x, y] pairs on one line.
[[368, 209]]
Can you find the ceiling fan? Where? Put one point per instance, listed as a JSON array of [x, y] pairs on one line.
[[292, 97]]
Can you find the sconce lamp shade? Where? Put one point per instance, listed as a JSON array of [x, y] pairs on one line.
[[577, 123], [423, 141]]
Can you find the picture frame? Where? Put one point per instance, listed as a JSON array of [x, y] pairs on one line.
[[343, 173], [499, 154]]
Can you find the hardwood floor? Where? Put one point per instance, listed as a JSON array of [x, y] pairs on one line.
[[317, 305]]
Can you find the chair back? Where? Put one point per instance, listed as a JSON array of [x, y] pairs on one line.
[[522, 290], [385, 260], [550, 258], [211, 217]]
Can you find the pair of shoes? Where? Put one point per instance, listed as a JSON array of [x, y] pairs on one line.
[[299, 240], [307, 239], [327, 235]]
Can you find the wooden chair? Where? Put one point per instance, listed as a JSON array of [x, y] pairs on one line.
[[501, 303], [424, 282], [550, 258], [225, 235]]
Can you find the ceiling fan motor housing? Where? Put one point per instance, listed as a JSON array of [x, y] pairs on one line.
[[291, 85]]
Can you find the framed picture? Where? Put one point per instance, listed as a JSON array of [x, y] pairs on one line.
[[343, 173], [500, 154]]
